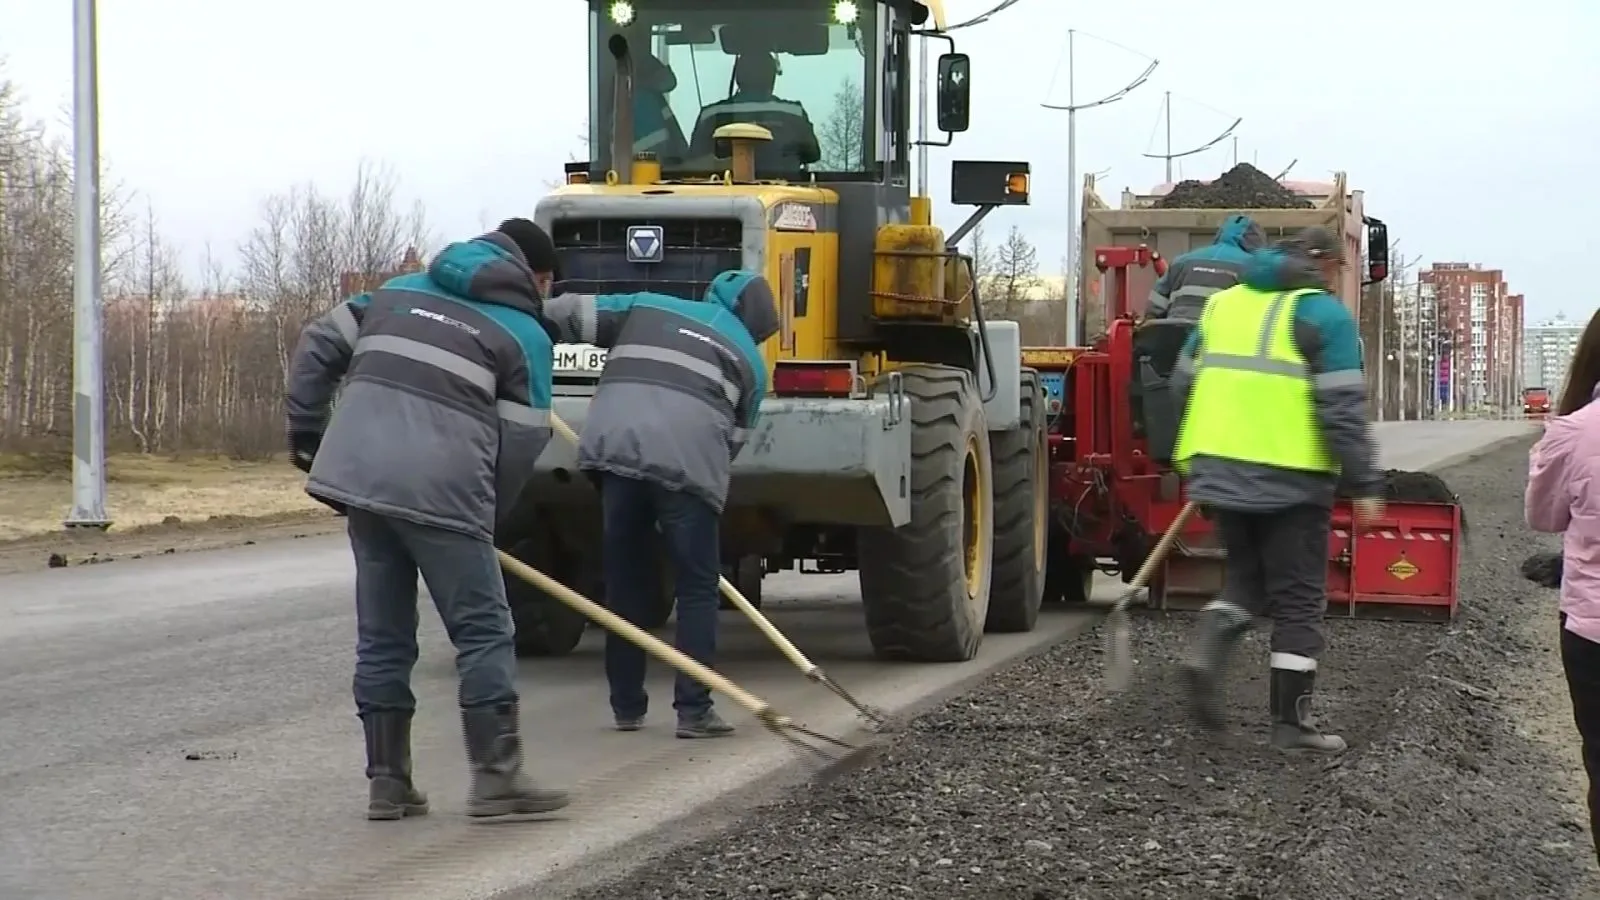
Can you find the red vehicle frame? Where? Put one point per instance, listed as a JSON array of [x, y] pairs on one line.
[[1110, 499]]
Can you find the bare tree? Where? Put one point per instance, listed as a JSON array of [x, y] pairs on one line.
[[1016, 277], [842, 137], [189, 367]]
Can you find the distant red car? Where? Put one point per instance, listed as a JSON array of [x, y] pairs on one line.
[[1536, 402]]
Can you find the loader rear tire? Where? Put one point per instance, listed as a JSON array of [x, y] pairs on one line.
[[1021, 515], [925, 585], [544, 625]]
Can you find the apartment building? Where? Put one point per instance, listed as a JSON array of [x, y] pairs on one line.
[[1478, 330], [1547, 350]]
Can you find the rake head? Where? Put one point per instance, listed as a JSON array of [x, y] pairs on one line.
[[812, 744]]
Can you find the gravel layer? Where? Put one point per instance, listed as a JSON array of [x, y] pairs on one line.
[[1242, 187], [1037, 785]]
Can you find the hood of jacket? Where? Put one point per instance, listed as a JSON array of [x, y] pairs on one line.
[[489, 269], [1280, 269], [748, 296], [1241, 231]]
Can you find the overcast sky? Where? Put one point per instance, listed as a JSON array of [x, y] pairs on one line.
[[1465, 129]]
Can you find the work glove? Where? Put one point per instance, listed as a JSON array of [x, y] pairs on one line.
[[1543, 569], [1367, 509], [303, 447]]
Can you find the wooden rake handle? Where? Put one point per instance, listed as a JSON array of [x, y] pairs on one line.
[[784, 645], [635, 635], [1158, 553]]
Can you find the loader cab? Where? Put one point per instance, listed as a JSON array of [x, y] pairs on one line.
[[843, 74], [844, 80]]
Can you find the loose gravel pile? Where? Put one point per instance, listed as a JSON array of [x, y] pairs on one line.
[[1037, 785], [1242, 187]]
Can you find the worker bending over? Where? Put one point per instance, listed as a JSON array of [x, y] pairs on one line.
[[445, 408], [1193, 277], [681, 389], [1276, 412]]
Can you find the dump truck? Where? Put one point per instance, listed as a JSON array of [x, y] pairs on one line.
[[1170, 233], [900, 438]]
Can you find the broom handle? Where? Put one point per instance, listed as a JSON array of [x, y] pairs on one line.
[[777, 637]]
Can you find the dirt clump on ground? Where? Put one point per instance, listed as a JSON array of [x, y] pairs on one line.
[[1038, 785], [1242, 187]]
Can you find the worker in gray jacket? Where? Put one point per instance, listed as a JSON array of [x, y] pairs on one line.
[[1195, 276], [682, 388], [445, 408]]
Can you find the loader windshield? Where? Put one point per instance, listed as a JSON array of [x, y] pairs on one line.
[[802, 68]]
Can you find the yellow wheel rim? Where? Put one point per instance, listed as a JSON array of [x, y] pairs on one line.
[[972, 513]]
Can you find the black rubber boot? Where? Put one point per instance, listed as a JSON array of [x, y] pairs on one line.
[[1221, 626], [1293, 729], [390, 793], [499, 787]]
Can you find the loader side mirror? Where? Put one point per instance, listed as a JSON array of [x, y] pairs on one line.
[[1377, 251], [954, 99]]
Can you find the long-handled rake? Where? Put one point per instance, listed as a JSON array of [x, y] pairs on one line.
[[873, 717], [782, 726], [1118, 624]]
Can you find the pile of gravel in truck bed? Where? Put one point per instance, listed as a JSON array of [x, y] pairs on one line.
[[1242, 187], [1038, 785]]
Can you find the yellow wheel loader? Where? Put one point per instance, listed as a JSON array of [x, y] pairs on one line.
[[901, 437]]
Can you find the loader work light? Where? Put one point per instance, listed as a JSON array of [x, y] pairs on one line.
[[622, 12], [845, 12]]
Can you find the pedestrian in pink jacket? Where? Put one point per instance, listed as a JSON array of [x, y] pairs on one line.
[[1563, 497]]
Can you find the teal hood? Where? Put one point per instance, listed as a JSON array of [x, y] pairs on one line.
[[748, 296], [1241, 231], [489, 269]]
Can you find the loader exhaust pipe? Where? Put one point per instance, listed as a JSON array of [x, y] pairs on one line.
[[621, 112]]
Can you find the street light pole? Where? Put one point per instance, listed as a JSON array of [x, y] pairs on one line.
[[1075, 278], [88, 381]]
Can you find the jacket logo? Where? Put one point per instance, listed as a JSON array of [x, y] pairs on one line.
[[710, 341], [646, 244], [445, 320]]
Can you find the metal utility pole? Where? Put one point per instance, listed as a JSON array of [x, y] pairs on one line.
[[88, 381], [1169, 136], [1383, 359], [1075, 277], [1169, 156]]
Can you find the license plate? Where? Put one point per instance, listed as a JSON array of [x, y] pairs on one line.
[[579, 358]]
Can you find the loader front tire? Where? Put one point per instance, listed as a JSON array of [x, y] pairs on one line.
[[544, 625], [925, 585], [1021, 515]]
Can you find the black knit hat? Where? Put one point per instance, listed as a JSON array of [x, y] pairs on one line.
[[537, 248]]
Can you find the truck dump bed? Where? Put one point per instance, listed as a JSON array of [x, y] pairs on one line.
[[1173, 232]]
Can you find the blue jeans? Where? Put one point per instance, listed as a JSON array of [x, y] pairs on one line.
[[689, 529], [463, 576]]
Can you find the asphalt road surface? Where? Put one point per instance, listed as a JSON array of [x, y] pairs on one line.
[[180, 727]]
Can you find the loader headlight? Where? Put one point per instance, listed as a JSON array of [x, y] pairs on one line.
[[622, 12], [845, 12]]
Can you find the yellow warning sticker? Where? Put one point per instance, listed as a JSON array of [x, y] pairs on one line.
[[1402, 568]]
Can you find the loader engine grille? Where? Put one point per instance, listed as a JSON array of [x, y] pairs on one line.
[[594, 256]]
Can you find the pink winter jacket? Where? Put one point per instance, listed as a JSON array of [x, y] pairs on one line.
[[1564, 497]]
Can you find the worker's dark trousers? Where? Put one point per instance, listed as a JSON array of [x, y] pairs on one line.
[[689, 531], [1580, 658], [463, 576], [1278, 569]]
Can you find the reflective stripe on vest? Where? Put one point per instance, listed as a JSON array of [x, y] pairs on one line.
[[1252, 399]]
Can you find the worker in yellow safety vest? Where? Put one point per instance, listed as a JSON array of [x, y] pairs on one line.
[[1275, 416]]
